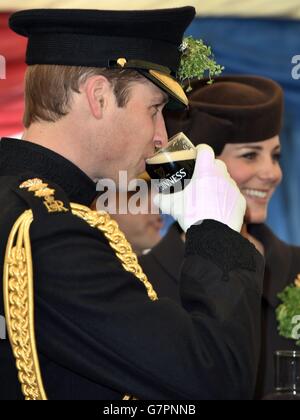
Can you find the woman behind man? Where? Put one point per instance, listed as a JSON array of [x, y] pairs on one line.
[[241, 118]]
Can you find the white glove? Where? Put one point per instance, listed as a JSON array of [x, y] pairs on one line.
[[211, 194]]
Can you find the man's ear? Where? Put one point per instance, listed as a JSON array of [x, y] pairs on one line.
[[97, 89]]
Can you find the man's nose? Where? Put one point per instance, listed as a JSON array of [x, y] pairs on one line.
[[161, 135]]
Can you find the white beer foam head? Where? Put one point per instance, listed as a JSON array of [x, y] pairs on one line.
[[164, 157]]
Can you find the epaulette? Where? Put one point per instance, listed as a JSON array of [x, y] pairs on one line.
[[42, 197], [45, 199]]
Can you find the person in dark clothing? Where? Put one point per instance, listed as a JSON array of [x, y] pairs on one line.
[[139, 219], [240, 117], [83, 320]]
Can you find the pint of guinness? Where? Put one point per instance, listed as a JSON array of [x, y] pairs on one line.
[[173, 166]]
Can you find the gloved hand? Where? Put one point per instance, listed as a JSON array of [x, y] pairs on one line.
[[211, 194]]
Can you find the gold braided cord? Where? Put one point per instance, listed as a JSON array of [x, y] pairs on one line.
[[19, 308], [19, 291], [118, 242]]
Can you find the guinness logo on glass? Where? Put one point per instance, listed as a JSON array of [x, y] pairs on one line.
[[173, 166]]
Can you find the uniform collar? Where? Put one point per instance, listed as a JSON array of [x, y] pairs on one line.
[[278, 256], [18, 157]]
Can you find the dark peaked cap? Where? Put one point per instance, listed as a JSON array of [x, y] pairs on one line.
[[234, 109], [147, 41]]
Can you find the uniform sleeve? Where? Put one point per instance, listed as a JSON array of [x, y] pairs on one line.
[[95, 319]]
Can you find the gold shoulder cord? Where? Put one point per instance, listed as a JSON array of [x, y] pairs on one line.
[[118, 242], [19, 291], [19, 308]]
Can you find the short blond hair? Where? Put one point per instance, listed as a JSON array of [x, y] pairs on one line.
[[49, 89]]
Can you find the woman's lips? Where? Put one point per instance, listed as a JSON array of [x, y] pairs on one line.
[[257, 194]]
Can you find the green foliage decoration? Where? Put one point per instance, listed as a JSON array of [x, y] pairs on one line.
[[197, 62], [288, 313]]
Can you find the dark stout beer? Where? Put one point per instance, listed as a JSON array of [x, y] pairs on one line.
[[173, 170]]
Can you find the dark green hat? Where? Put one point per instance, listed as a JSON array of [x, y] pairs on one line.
[[147, 41]]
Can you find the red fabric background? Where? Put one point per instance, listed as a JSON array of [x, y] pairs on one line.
[[12, 47]]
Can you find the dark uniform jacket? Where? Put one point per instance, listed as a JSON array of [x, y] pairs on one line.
[[99, 336], [163, 266]]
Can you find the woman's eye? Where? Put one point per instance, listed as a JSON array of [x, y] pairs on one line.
[[249, 156], [277, 157]]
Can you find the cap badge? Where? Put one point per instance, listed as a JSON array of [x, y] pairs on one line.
[[121, 62]]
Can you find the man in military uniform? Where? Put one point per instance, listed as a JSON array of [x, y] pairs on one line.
[[83, 320]]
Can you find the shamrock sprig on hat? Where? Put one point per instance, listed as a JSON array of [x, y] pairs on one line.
[[197, 62], [288, 313]]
